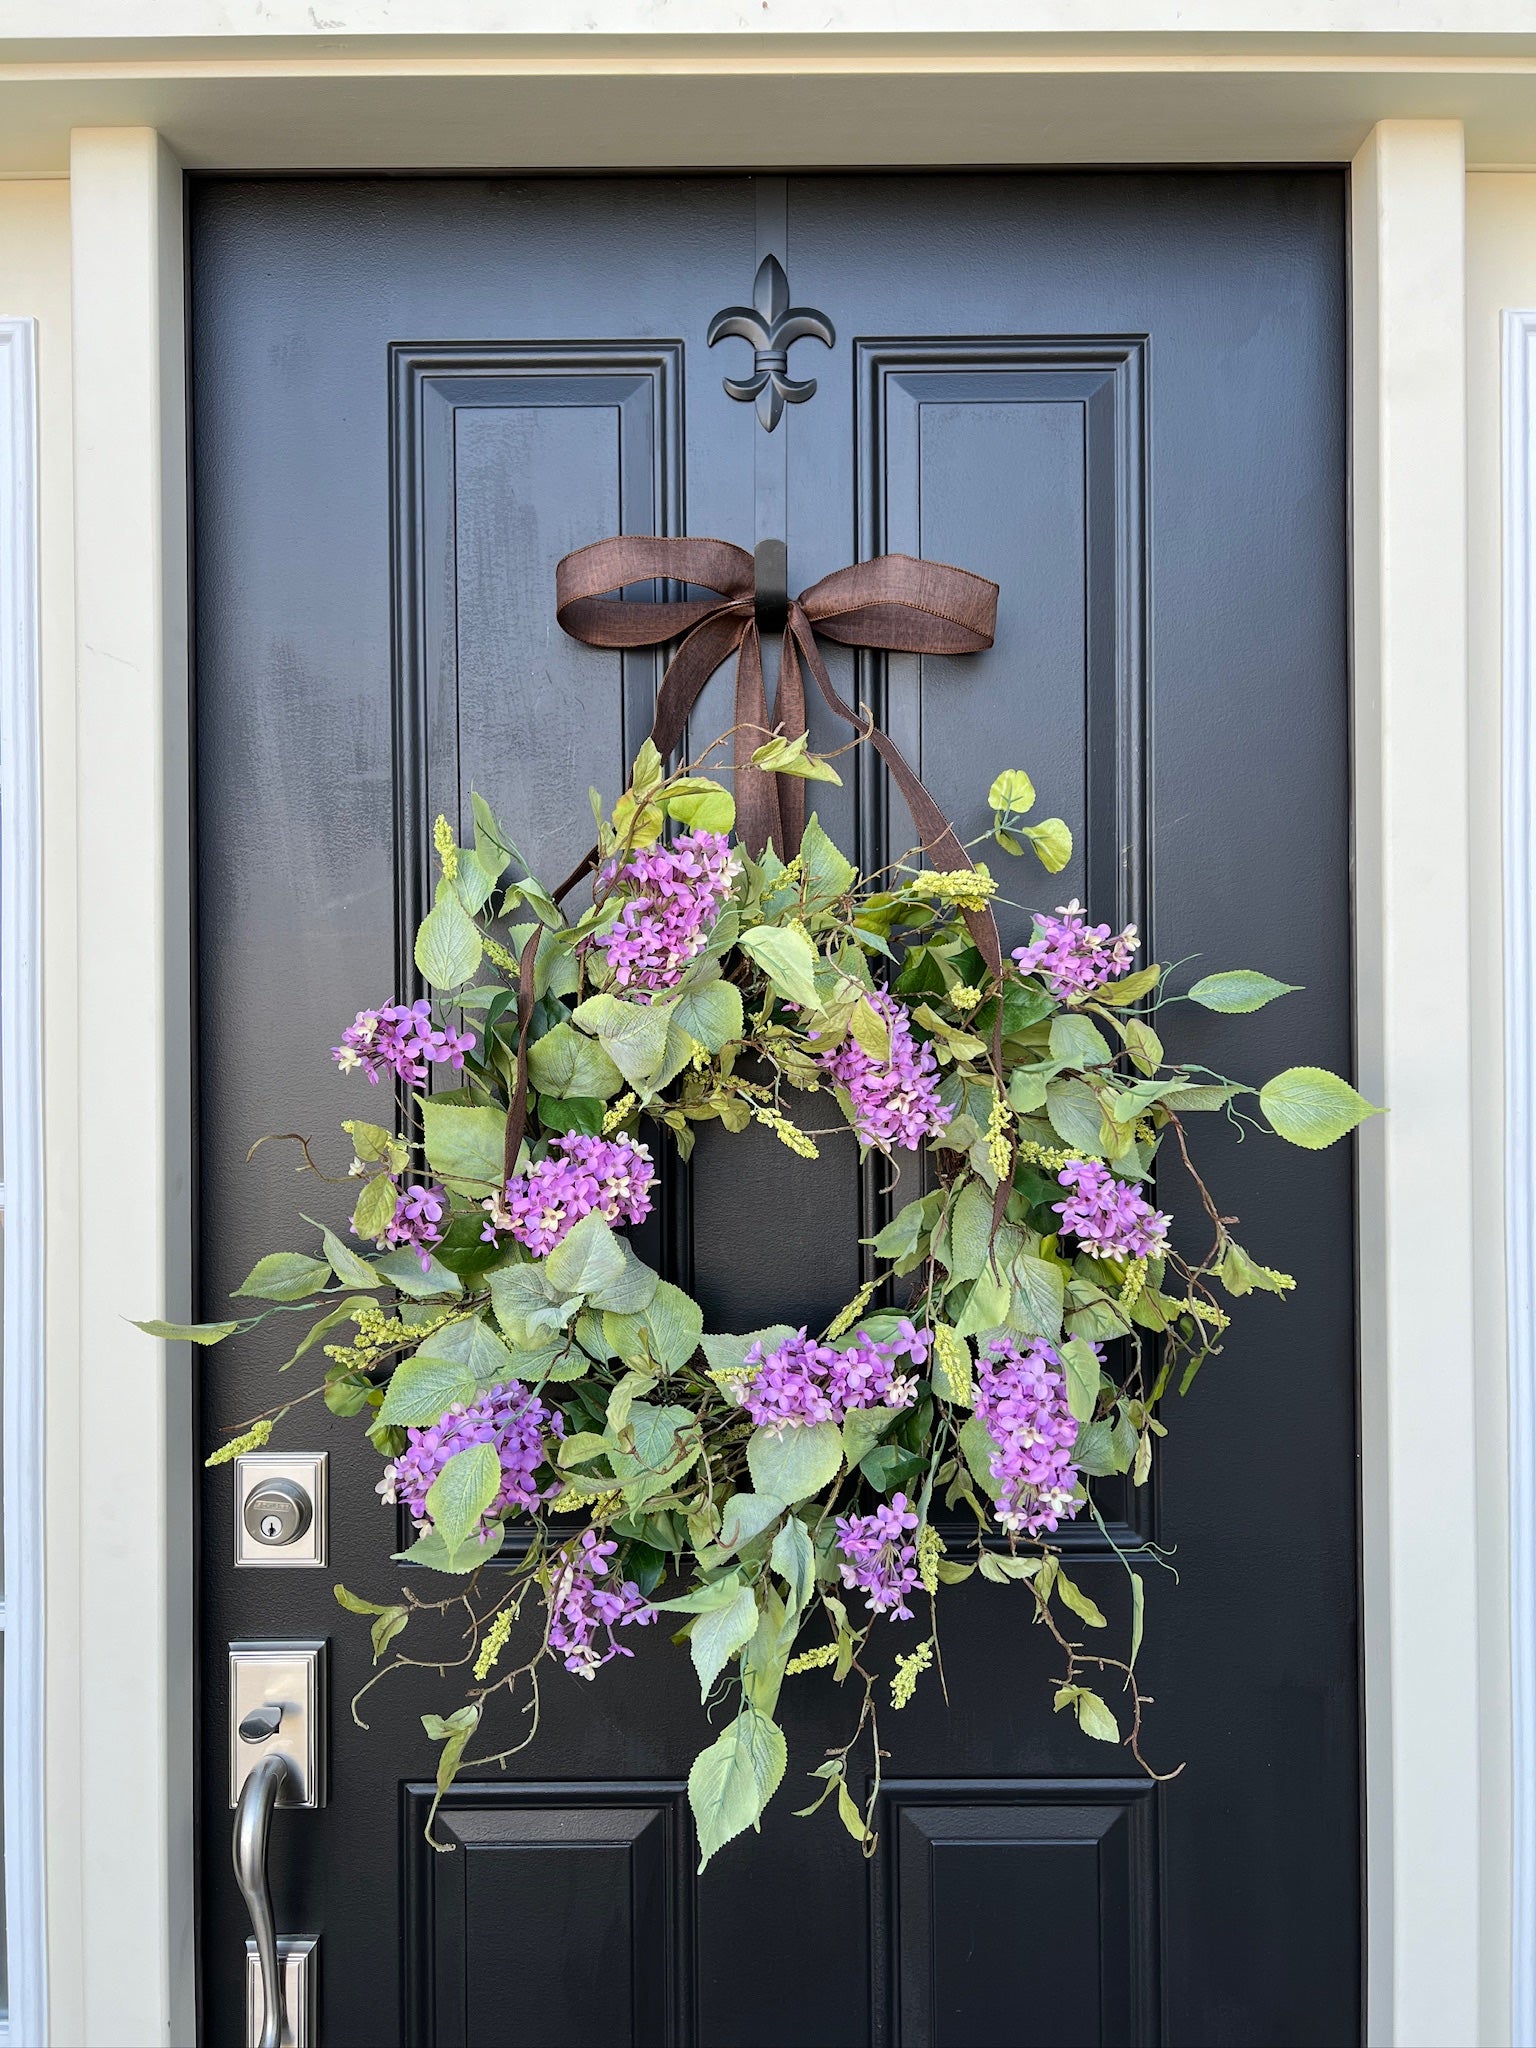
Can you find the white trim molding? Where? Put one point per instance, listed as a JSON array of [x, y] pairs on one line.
[[21, 1206], [1519, 495]]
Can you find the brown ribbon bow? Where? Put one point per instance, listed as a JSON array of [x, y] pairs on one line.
[[894, 601]]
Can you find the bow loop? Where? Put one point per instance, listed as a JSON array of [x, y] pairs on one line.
[[894, 601]]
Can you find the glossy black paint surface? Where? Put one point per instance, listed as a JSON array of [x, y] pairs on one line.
[[1120, 396]]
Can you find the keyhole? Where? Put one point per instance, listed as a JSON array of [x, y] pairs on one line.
[[271, 1527]]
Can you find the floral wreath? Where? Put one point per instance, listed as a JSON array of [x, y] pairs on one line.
[[773, 1492]]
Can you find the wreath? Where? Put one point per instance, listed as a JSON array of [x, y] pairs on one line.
[[542, 1398]]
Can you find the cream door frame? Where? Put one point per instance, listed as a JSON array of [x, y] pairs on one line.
[[121, 1900]]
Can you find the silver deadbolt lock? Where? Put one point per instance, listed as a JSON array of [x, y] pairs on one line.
[[278, 1511], [280, 1508]]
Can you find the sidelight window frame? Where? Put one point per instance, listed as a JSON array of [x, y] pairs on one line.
[[24, 2019]]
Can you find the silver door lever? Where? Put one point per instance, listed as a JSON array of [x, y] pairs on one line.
[[253, 1823]]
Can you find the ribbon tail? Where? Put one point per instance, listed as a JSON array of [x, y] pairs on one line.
[[936, 835], [789, 716], [758, 820]]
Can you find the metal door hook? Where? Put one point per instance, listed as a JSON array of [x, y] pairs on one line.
[[253, 1823]]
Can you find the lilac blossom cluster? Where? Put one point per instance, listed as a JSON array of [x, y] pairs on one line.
[[511, 1418], [399, 1039], [802, 1381], [1021, 1396], [1074, 956], [675, 894], [1107, 1216], [878, 1559], [612, 1175], [895, 1101], [418, 1221], [581, 1607]]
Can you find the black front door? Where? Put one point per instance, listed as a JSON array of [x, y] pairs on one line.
[[1122, 398]]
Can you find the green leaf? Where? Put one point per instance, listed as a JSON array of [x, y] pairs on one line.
[[634, 1035], [797, 1464], [734, 1779], [747, 1515], [422, 1389], [1093, 1716], [527, 1306], [470, 1342], [1138, 1612], [1094, 1451], [978, 1447], [1082, 1378], [717, 1636], [871, 1031], [349, 1269], [1027, 1088], [461, 1493], [1241, 1275], [970, 1231], [633, 1289], [375, 1212], [403, 1270], [989, 1307], [700, 805], [728, 1354], [670, 1325], [887, 1466], [1078, 1043], [187, 1333], [1239, 990], [863, 1429], [1311, 1107], [905, 1231], [565, 1062], [1073, 1109], [431, 1551], [788, 959], [1039, 1290], [587, 1259], [371, 1142], [1052, 841], [711, 1014], [654, 1431], [1073, 1596], [1130, 989], [493, 849], [464, 1146], [1012, 791], [284, 1276], [448, 948], [828, 872], [582, 1113], [780, 756], [794, 1559]]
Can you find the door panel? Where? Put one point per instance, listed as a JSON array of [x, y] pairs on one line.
[[1120, 396]]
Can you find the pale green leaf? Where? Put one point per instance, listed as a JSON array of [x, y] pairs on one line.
[[1239, 990], [587, 1259], [285, 1276], [1078, 1043], [461, 1493], [1012, 791], [1052, 841], [747, 1515], [700, 805], [565, 1062], [780, 756], [1311, 1107], [788, 959], [1073, 1596], [422, 1389], [464, 1146], [828, 872], [1082, 1378], [1093, 1716], [630, 1291], [710, 1014], [1039, 1288], [717, 1636], [796, 1464], [375, 1212], [1073, 1109], [404, 1271], [448, 948], [733, 1780], [794, 1559], [349, 1269], [187, 1333], [634, 1035]]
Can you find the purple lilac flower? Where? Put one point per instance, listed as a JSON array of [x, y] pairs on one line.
[[895, 1102], [675, 894], [1076, 957], [877, 1558], [580, 1606], [803, 1381], [1021, 1396], [510, 1417], [1108, 1217], [417, 1221], [399, 1039], [613, 1175]]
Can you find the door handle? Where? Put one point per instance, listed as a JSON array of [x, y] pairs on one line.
[[253, 1824]]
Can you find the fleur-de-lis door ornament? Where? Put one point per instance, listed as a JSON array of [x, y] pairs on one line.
[[771, 323]]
